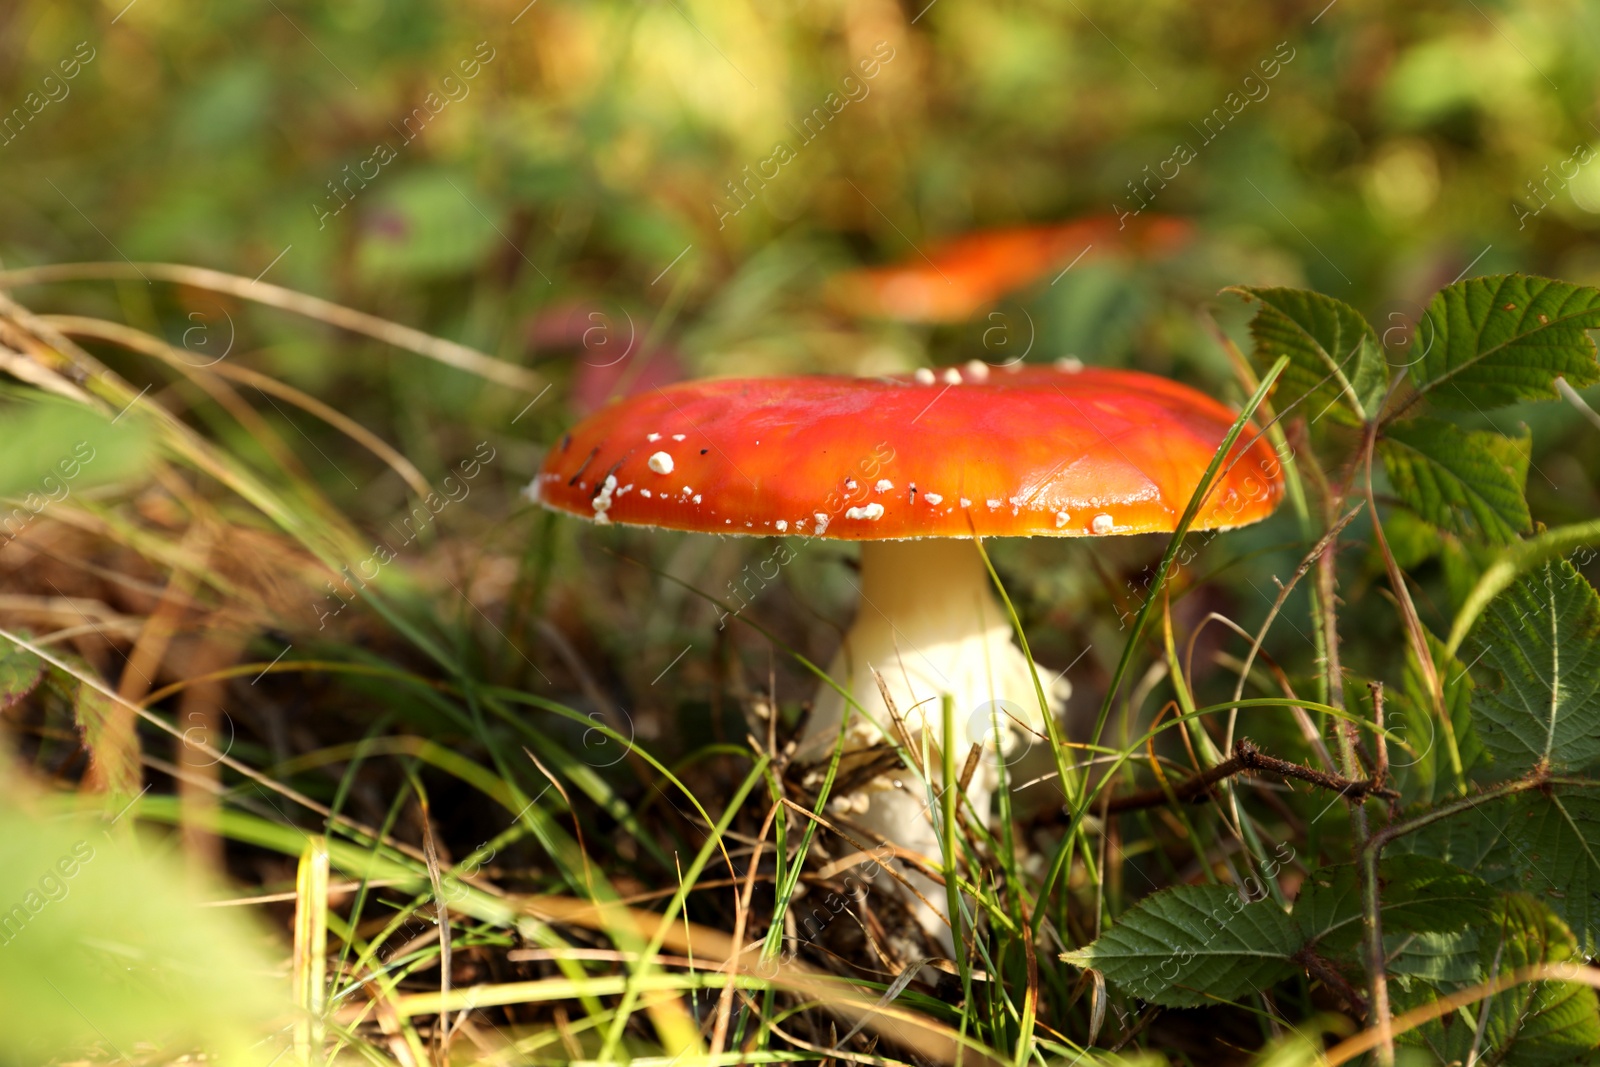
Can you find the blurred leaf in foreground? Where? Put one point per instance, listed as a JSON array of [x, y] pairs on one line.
[[426, 224], [105, 946], [51, 448]]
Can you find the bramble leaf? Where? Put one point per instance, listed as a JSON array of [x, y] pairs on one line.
[[1544, 843], [111, 739], [1195, 944], [1542, 636], [1328, 909], [1419, 894], [1451, 957], [1503, 339], [20, 673], [1537, 1022], [1468, 482], [1335, 363], [1533, 1023]]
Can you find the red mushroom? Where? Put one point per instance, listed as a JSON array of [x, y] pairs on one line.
[[915, 467], [958, 278]]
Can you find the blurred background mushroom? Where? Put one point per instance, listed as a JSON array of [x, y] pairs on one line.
[[953, 280]]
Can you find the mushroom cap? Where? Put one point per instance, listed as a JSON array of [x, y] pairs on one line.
[[1022, 451], [953, 280]]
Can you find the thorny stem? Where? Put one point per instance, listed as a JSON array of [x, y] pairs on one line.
[[1315, 475], [1327, 583], [1377, 979], [1336, 983], [1371, 920], [1380, 767], [1327, 577], [1361, 463], [1247, 757], [1536, 780]]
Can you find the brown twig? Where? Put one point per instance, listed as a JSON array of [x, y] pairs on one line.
[[1337, 984], [724, 1012], [1247, 757], [1380, 768]]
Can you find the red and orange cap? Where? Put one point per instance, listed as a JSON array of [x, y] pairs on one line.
[[1061, 451], [1002, 453]]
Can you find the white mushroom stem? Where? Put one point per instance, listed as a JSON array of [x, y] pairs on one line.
[[928, 621]]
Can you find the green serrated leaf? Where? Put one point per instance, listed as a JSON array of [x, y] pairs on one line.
[[1411, 541], [1335, 363], [1473, 840], [1538, 1022], [1328, 909], [1544, 843], [1435, 957], [1425, 896], [1503, 339], [108, 733], [20, 673], [1542, 637], [1419, 894], [1193, 945], [1528, 1025], [1468, 482]]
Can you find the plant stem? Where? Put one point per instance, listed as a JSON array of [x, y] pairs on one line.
[[1536, 780], [1336, 983], [952, 869], [1377, 977], [1247, 757]]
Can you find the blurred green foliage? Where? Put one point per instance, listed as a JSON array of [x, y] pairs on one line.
[[53, 446], [1392, 147], [554, 182], [103, 945], [593, 145]]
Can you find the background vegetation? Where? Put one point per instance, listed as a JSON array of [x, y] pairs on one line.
[[520, 716]]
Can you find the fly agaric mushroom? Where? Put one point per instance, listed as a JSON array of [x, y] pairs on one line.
[[914, 467], [958, 278]]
